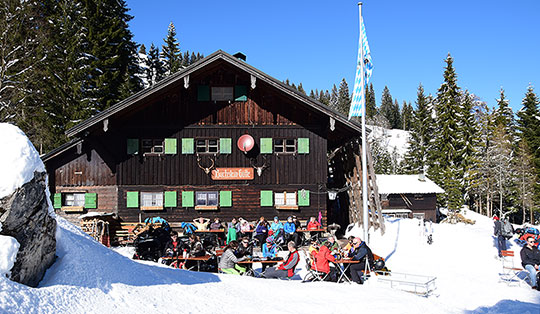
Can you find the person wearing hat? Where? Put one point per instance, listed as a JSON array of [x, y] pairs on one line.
[[276, 228], [269, 251], [261, 231], [290, 231], [363, 254]]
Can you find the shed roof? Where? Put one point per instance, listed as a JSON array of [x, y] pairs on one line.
[[404, 183]]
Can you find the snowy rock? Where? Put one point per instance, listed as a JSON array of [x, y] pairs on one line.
[[24, 208]]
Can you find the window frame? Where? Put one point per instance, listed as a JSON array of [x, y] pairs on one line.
[[206, 205], [207, 146], [73, 205], [282, 200], [222, 93], [285, 148], [157, 201], [156, 143]]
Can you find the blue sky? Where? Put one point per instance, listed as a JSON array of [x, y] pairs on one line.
[[494, 43]]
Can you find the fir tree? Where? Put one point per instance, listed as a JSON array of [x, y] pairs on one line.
[[344, 98], [396, 116], [170, 51], [420, 135], [524, 181], [154, 66], [406, 116], [504, 117], [371, 105], [386, 105], [444, 157], [334, 98], [529, 131]]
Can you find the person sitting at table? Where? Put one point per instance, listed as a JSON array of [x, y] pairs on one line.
[[332, 244], [228, 261], [196, 249], [290, 231], [245, 228], [323, 259], [286, 269], [201, 223], [244, 248], [216, 225], [363, 254], [348, 249], [313, 248], [232, 230], [276, 229], [261, 231], [313, 225], [269, 251], [173, 248]]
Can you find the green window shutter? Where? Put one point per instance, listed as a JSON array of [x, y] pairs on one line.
[[188, 146], [267, 198], [225, 198], [266, 145], [132, 146], [170, 146], [303, 145], [225, 145], [132, 199], [170, 198], [57, 200], [240, 93], [188, 199], [203, 93], [90, 200], [303, 197]]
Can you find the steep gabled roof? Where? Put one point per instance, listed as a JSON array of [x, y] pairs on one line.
[[218, 55]]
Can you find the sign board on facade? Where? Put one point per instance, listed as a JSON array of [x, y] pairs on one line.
[[232, 174]]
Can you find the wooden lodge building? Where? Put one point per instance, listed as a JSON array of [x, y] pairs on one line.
[[408, 196], [216, 139]]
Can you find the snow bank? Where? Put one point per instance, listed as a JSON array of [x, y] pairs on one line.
[[18, 160], [392, 139], [8, 254]]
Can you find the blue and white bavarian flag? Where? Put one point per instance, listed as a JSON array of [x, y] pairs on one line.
[[364, 68]]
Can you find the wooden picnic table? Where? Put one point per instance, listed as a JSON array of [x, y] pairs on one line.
[[211, 231], [249, 263], [311, 230], [344, 264], [198, 259]]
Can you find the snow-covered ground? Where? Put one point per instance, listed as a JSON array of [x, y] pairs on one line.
[[393, 139], [90, 278]]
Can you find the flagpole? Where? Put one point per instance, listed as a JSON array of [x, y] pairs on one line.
[[364, 147]]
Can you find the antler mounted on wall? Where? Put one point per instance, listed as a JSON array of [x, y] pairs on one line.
[[261, 168], [206, 169]]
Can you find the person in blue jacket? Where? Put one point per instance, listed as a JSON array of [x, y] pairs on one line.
[[261, 231], [290, 231], [269, 251], [363, 254], [276, 229]]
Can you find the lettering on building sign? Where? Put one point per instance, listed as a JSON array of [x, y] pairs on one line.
[[232, 174]]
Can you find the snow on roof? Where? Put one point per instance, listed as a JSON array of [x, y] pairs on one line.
[[18, 161], [405, 183]]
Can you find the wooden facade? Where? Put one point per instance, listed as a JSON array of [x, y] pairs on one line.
[[106, 162], [425, 204]]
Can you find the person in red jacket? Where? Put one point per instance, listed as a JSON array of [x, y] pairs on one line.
[[322, 262], [286, 269], [314, 225]]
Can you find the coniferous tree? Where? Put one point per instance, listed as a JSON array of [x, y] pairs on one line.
[[445, 157], [421, 132], [524, 180], [170, 51], [301, 89], [406, 116], [469, 136], [155, 71], [386, 109], [504, 117], [371, 105], [334, 98], [344, 98], [396, 116], [529, 131]]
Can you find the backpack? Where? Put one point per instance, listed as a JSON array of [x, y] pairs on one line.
[[507, 230]]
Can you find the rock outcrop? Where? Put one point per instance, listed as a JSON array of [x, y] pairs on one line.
[[25, 216]]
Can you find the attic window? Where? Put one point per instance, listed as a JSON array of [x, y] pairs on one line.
[[222, 93]]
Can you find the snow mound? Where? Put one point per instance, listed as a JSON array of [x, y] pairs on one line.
[[394, 140], [18, 160], [8, 253]]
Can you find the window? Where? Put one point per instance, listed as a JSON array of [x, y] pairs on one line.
[[287, 146], [222, 93], [285, 200], [151, 200], [74, 199], [152, 146], [206, 198], [207, 146]]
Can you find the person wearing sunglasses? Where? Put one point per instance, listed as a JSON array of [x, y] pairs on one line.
[[530, 259], [363, 254]]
